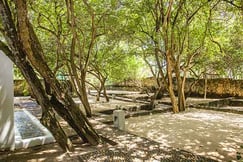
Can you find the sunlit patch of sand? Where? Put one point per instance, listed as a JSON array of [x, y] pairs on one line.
[[211, 133]]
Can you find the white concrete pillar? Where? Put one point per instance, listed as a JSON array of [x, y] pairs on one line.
[[119, 119], [113, 96], [7, 135]]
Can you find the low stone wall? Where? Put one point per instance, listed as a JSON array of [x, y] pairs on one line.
[[220, 87], [217, 87], [217, 103]]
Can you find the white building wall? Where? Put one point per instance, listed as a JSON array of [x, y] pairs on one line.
[[7, 135]]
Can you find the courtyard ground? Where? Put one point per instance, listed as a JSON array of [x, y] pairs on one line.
[[154, 136], [218, 135]]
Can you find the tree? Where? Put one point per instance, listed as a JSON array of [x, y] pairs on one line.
[[73, 50], [24, 49], [226, 41], [173, 30], [113, 63], [222, 54]]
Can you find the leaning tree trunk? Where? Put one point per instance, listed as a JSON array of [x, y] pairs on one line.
[[158, 94], [76, 48], [23, 44], [35, 54], [48, 116], [78, 84]]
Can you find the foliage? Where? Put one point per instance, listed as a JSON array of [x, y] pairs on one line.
[[126, 34], [222, 54]]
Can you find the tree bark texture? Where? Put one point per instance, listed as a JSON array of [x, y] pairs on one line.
[[48, 115], [26, 52], [170, 84]]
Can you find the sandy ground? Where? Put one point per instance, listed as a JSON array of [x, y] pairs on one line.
[[209, 133], [214, 134]]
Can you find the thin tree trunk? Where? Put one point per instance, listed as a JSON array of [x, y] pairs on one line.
[[98, 94], [102, 87], [183, 91], [105, 94], [158, 94], [80, 82], [84, 98], [205, 85], [170, 83]]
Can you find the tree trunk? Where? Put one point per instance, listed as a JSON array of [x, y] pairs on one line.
[[51, 123], [205, 84], [98, 94], [24, 44], [83, 63], [78, 84], [170, 83], [48, 118], [158, 94], [183, 91], [102, 87], [181, 95], [84, 98], [180, 89], [105, 94], [35, 54]]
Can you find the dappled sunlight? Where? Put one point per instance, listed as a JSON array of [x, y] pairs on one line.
[[215, 154], [120, 145], [139, 154], [99, 126], [50, 152], [204, 132]]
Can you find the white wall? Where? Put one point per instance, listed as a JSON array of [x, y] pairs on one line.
[[7, 137]]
